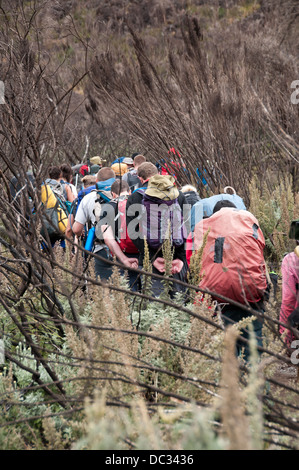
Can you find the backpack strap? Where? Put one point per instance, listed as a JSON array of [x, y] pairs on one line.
[[140, 190]]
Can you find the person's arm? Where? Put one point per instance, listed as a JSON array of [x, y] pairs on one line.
[[70, 223], [81, 220], [77, 228], [69, 232], [114, 247], [69, 193]]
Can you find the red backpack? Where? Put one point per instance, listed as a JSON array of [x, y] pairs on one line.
[[124, 241], [233, 263]]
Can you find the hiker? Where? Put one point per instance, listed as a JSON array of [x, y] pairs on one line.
[[89, 167], [95, 164], [67, 177], [131, 176], [57, 198], [145, 205], [191, 194], [17, 186], [86, 216], [113, 226], [89, 180], [233, 266], [58, 185], [96, 160], [129, 162], [289, 310], [204, 207], [54, 218], [145, 171], [89, 183]]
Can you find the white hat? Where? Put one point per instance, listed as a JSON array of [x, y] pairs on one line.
[[128, 161]]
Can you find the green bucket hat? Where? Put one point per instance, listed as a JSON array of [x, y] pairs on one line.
[[96, 160], [162, 187]]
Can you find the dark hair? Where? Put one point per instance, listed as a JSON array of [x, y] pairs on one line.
[[119, 186], [224, 203], [54, 172], [67, 172]]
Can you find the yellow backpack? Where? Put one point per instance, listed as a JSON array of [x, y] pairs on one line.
[[54, 217]]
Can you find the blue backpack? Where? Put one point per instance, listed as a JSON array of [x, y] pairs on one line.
[[118, 160], [204, 208]]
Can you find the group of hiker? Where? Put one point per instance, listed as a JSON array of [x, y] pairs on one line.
[[128, 210]]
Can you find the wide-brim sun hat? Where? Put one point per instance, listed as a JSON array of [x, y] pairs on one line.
[[128, 161], [119, 168], [96, 160]]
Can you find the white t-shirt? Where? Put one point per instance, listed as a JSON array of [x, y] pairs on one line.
[[85, 213]]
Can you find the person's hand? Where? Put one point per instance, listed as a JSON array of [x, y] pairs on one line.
[[159, 264], [177, 266], [131, 263], [293, 318]]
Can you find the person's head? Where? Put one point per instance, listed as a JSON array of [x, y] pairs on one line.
[[188, 188], [129, 162], [119, 187], [224, 203], [89, 180], [138, 160], [146, 170], [55, 173], [66, 172], [105, 174]]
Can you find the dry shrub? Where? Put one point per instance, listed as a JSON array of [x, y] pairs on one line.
[[274, 208], [214, 101], [235, 421]]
